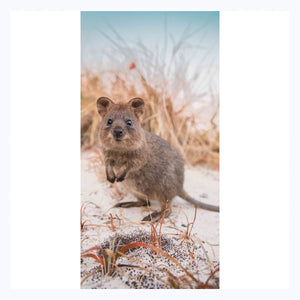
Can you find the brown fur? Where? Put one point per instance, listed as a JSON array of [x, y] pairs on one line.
[[149, 166]]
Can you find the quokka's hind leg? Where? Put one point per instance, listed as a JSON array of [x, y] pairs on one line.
[[139, 203], [142, 201], [158, 215]]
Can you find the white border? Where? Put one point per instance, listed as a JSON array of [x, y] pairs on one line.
[[254, 131], [45, 153]]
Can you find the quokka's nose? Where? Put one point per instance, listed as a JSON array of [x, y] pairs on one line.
[[118, 132]]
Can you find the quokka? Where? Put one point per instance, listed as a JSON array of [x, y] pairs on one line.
[[147, 164]]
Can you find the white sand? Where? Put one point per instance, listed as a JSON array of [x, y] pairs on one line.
[[99, 196]]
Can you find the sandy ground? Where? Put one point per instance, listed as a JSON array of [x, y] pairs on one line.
[[110, 227]]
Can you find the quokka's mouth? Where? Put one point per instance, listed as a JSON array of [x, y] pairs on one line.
[[118, 139]]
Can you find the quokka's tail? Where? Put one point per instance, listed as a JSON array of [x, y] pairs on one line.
[[184, 195]]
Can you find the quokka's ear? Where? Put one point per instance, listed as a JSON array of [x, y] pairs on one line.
[[137, 105], [102, 105]]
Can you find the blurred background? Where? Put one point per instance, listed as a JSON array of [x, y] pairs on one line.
[[171, 60]]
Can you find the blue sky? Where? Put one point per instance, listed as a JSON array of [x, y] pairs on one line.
[[158, 31]]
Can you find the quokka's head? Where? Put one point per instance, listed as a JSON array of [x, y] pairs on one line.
[[120, 127]]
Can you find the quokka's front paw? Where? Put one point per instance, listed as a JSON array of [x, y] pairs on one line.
[[119, 179], [111, 179], [110, 176]]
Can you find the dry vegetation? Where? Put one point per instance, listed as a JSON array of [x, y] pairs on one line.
[[147, 258]]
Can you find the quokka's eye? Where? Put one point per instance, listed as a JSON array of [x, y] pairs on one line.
[[129, 122], [109, 121]]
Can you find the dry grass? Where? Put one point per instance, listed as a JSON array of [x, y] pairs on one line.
[[173, 260], [159, 85]]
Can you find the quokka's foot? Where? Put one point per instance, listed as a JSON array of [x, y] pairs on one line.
[[156, 216], [131, 204]]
